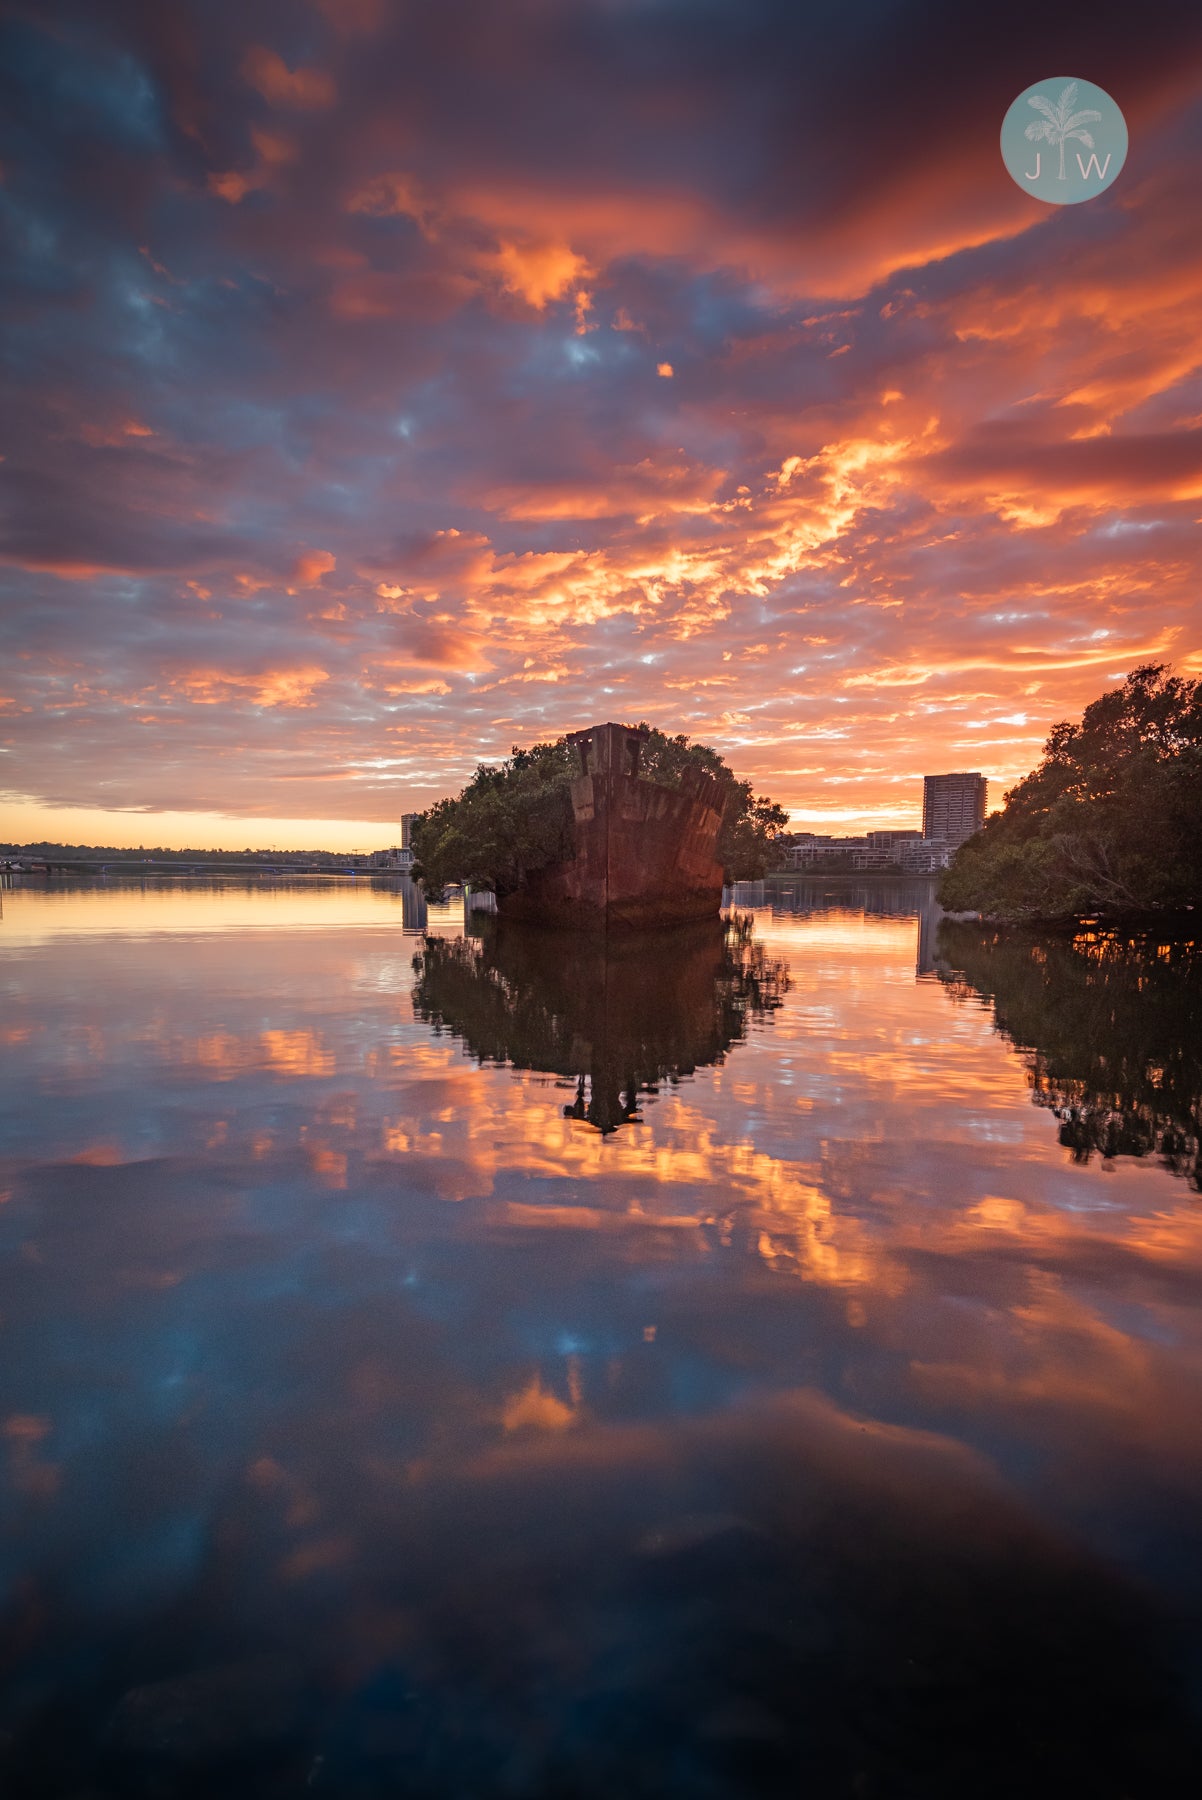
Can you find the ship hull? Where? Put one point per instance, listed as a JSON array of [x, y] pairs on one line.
[[645, 853]]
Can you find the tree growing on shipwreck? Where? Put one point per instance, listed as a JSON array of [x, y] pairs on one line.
[[617, 825]]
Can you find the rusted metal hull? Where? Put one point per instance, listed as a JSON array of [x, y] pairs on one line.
[[645, 854]]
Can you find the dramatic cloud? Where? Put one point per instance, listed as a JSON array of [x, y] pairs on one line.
[[391, 384]]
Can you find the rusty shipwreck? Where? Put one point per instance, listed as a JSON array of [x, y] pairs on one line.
[[645, 854]]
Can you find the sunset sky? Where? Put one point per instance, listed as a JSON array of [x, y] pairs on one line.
[[388, 384]]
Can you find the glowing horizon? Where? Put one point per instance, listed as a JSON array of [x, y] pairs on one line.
[[21, 820]]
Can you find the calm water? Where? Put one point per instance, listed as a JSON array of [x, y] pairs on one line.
[[765, 1363]]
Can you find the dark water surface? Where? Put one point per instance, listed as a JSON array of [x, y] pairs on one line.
[[743, 1365]]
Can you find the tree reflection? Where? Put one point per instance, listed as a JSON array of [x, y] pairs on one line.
[[1111, 1026], [618, 1016]]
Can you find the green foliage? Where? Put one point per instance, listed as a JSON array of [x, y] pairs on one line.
[[1108, 822], [746, 843], [507, 822], [516, 818]]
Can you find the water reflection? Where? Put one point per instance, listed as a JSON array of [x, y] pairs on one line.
[[1111, 1029], [805, 897], [809, 897], [368, 1427], [40, 908], [618, 1015]]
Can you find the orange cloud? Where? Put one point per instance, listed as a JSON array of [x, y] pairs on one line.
[[309, 568], [275, 147], [440, 643], [393, 195], [534, 1409], [233, 186], [280, 687], [110, 436], [67, 569], [540, 272], [654, 486], [270, 76], [431, 685]]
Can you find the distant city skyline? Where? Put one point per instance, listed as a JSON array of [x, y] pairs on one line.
[[377, 403], [953, 805], [216, 831]]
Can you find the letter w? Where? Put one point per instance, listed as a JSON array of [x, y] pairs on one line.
[[1093, 163]]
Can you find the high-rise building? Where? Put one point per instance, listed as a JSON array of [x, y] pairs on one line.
[[400, 857], [953, 806]]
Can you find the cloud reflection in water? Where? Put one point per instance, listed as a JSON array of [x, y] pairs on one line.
[[828, 1418]]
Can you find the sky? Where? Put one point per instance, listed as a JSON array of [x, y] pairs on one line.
[[390, 384]]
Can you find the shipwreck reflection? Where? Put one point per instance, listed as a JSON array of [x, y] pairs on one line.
[[619, 1016], [1111, 1024]]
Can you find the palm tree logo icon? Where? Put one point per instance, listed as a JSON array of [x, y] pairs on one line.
[[1076, 117], [1060, 122]]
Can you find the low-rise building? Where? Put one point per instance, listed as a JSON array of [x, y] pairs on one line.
[[813, 849], [885, 837], [399, 858], [925, 856], [875, 857], [905, 850]]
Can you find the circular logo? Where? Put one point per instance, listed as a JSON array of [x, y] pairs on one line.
[[1064, 140]]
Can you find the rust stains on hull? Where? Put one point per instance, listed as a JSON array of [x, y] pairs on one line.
[[646, 855]]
